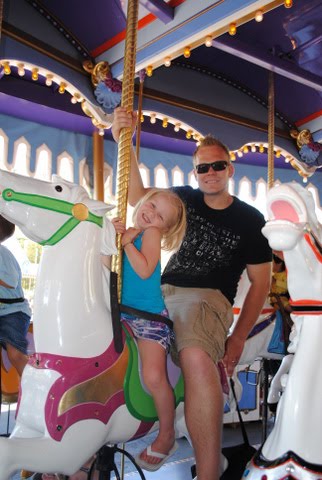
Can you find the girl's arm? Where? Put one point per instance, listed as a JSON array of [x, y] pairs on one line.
[[145, 261]]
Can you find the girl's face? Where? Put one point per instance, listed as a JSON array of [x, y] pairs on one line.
[[157, 212]]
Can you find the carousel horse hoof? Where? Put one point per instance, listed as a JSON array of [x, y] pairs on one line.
[[152, 467]]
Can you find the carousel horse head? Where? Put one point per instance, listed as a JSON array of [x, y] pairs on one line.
[[54, 200], [294, 229]]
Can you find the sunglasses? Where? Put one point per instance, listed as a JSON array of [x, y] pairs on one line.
[[218, 166]]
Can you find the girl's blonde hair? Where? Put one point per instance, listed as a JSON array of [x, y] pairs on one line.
[[172, 238]]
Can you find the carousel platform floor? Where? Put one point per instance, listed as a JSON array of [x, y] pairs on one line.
[[178, 466]]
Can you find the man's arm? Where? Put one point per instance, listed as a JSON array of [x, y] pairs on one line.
[[123, 119], [260, 280]]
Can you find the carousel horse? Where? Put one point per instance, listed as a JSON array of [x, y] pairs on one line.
[[77, 392], [292, 451], [259, 339]]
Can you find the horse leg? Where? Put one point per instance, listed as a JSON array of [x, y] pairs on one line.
[[276, 384], [44, 454]]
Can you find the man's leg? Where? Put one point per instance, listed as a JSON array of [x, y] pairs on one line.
[[203, 410]]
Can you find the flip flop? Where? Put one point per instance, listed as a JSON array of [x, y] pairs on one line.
[[152, 467]]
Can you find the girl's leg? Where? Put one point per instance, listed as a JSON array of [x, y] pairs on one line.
[[17, 358], [154, 371]]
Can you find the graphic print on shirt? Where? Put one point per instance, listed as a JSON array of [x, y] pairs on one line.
[[205, 246]]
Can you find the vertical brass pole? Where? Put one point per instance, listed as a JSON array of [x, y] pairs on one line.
[[271, 131], [98, 166], [125, 141], [138, 130]]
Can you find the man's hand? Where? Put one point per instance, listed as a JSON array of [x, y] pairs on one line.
[[123, 119], [234, 349]]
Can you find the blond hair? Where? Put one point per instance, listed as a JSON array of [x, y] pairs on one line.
[[173, 236], [210, 141]]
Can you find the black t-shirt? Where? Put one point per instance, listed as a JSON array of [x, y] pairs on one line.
[[218, 244]]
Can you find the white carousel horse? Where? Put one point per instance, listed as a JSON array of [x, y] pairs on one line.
[[77, 393], [256, 346], [293, 448]]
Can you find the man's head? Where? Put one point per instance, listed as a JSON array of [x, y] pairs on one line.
[[6, 229], [212, 166]]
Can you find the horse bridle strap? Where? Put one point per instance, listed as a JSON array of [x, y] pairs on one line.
[[79, 212], [306, 309]]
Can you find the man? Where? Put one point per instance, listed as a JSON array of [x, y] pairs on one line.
[[223, 238]]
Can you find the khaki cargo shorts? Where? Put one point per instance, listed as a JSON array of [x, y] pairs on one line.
[[201, 316]]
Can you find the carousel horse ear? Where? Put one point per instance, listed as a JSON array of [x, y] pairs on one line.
[[98, 207], [57, 178]]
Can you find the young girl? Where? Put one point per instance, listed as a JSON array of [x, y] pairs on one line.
[[159, 222]]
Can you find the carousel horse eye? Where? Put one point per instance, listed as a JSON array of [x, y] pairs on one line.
[[58, 188]]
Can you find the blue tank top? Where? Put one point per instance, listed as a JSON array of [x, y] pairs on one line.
[[144, 294]]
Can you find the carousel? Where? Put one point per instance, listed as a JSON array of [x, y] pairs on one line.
[[247, 71]]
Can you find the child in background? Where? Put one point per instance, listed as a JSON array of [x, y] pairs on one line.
[[159, 222], [15, 312]]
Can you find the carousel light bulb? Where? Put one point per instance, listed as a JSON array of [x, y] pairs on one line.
[[34, 74], [253, 148], [189, 134], [305, 180], [149, 70], [167, 61], [287, 159], [62, 88], [142, 118], [288, 3], [261, 148], [165, 122], [21, 69], [232, 156], [6, 68], [245, 149], [101, 132], [232, 29], [239, 153], [278, 153], [208, 41], [259, 16], [177, 127], [75, 98], [186, 52], [153, 118], [49, 79]]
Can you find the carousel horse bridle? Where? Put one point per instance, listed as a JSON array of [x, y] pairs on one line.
[[78, 212]]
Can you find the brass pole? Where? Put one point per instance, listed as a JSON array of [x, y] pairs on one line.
[[125, 141], [271, 129], [98, 166], [138, 130]]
